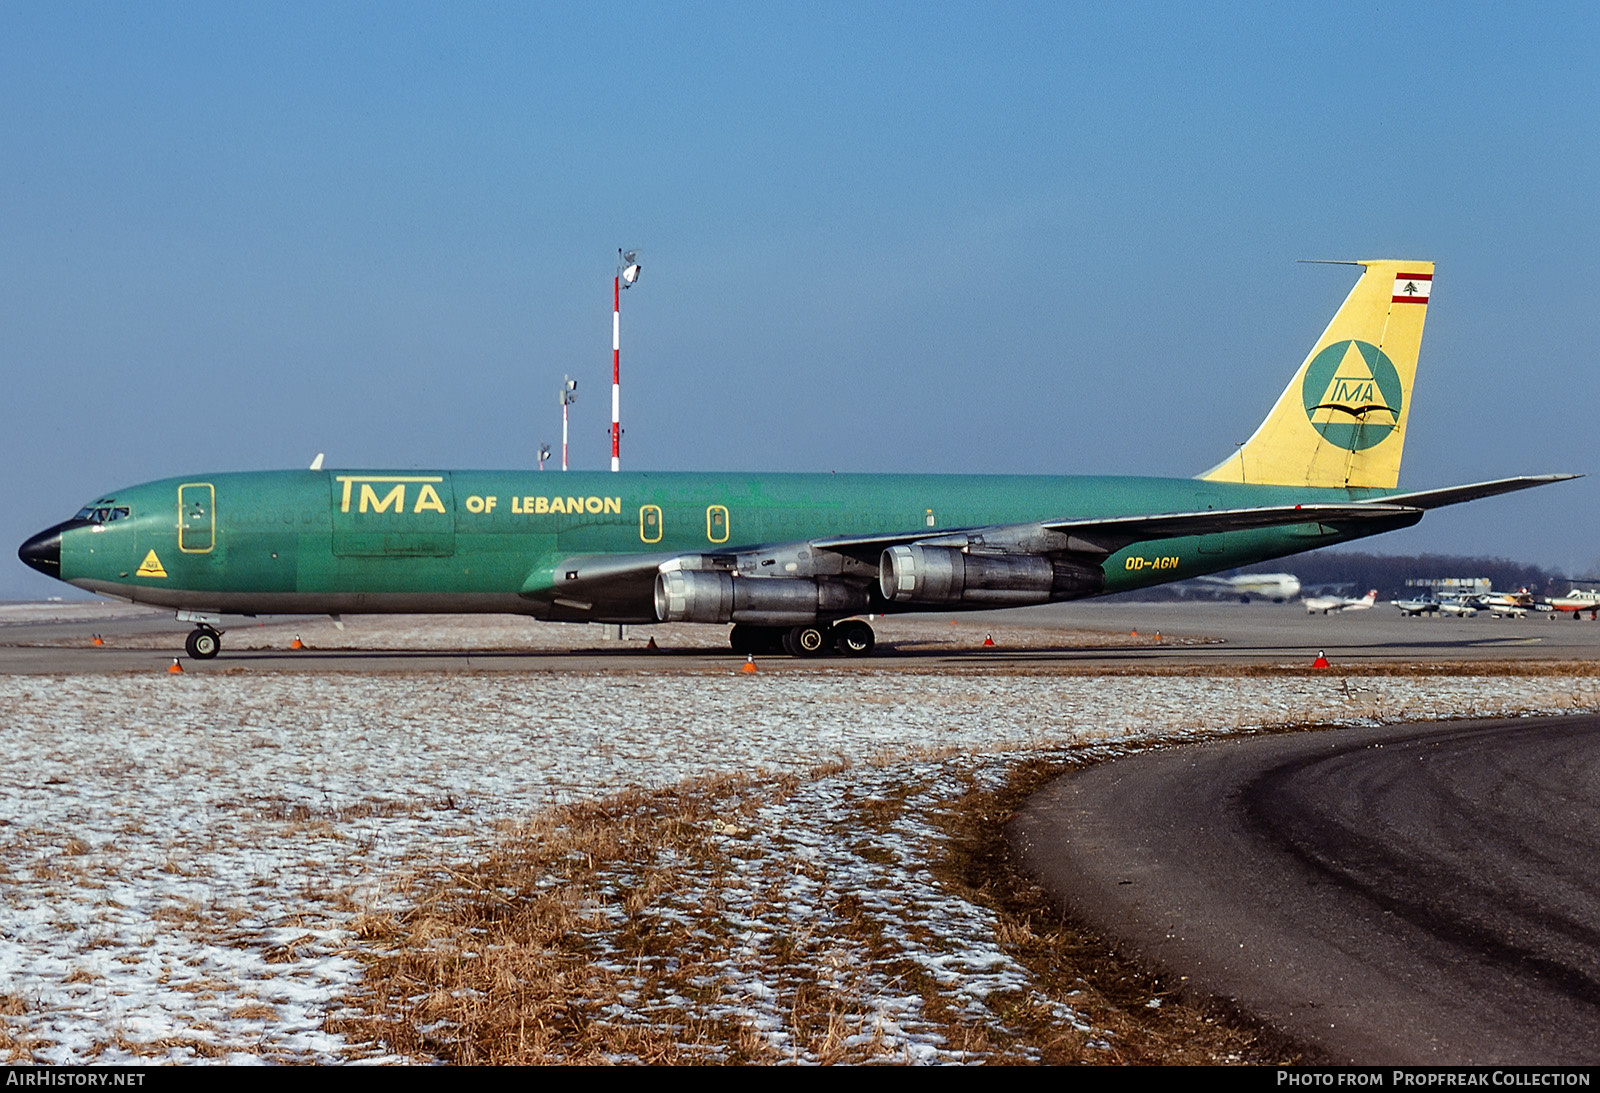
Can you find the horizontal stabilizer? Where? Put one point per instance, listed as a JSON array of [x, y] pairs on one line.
[[1454, 495]]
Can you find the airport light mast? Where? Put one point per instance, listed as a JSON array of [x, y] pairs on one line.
[[627, 274], [569, 395]]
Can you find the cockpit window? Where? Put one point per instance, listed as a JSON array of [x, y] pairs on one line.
[[102, 514]]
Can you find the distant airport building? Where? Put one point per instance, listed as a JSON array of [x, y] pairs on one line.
[[1452, 586]]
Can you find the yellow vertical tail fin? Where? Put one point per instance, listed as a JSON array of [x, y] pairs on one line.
[[1342, 419]]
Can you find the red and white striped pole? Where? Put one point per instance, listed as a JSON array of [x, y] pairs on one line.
[[616, 367], [627, 274]]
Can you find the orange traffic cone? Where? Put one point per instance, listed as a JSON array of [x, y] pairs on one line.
[[1158, 635], [988, 640], [1133, 633], [652, 644], [749, 665], [176, 669], [1321, 661], [297, 643]]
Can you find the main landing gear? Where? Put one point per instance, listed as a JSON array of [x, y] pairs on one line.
[[852, 638]]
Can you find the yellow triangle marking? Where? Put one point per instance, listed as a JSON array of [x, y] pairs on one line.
[[150, 567]]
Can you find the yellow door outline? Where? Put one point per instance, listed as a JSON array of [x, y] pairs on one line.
[[717, 520], [649, 520], [197, 518]]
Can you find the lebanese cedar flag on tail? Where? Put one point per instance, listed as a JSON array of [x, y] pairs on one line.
[[1412, 288]]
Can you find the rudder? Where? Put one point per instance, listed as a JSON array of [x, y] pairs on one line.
[[1341, 422]]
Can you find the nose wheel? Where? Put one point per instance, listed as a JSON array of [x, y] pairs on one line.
[[203, 643]]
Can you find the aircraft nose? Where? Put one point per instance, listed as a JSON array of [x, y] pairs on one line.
[[43, 552]]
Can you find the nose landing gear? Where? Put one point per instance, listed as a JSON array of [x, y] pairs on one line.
[[205, 640], [203, 643]]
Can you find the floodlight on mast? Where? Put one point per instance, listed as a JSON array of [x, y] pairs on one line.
[[569, 395]]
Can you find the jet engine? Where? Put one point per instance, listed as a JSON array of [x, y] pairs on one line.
[[718, 596], [945, 575]]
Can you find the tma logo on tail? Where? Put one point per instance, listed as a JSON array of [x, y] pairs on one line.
[[1352, 395]]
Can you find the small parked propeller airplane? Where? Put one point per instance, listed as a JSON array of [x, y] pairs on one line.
[[791, 560], [1417, 607]]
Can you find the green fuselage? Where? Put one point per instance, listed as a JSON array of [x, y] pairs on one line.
[[379, 541]]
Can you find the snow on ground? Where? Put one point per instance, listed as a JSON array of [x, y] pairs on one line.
[[182, 856]]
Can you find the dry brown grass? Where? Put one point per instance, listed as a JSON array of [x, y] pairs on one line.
[[597, 933], [254, 1011], [178, 1047], [17, 1046], [290, 951], [520, 958]]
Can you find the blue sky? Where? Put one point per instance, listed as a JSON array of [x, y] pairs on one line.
[[1048, 238]]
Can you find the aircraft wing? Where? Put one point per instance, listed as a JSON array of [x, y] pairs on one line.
[[622, 584], [1107, 535]]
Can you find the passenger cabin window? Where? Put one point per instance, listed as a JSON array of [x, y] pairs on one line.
[[650, 523], [717, 524]]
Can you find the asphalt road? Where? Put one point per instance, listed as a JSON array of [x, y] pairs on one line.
[[1405, 895]]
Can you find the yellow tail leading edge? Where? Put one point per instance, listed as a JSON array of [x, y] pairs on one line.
[[1341, 422]]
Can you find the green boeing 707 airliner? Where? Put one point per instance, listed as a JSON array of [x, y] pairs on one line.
[[791, 560]]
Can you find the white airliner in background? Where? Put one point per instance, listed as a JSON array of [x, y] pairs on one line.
[[1277, 587], [1327, 604]]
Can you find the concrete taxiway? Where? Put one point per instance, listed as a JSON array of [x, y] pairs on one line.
[[1065, 637]]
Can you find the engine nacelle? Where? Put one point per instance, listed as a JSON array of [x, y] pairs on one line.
[[703, 596], [945, 575]]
